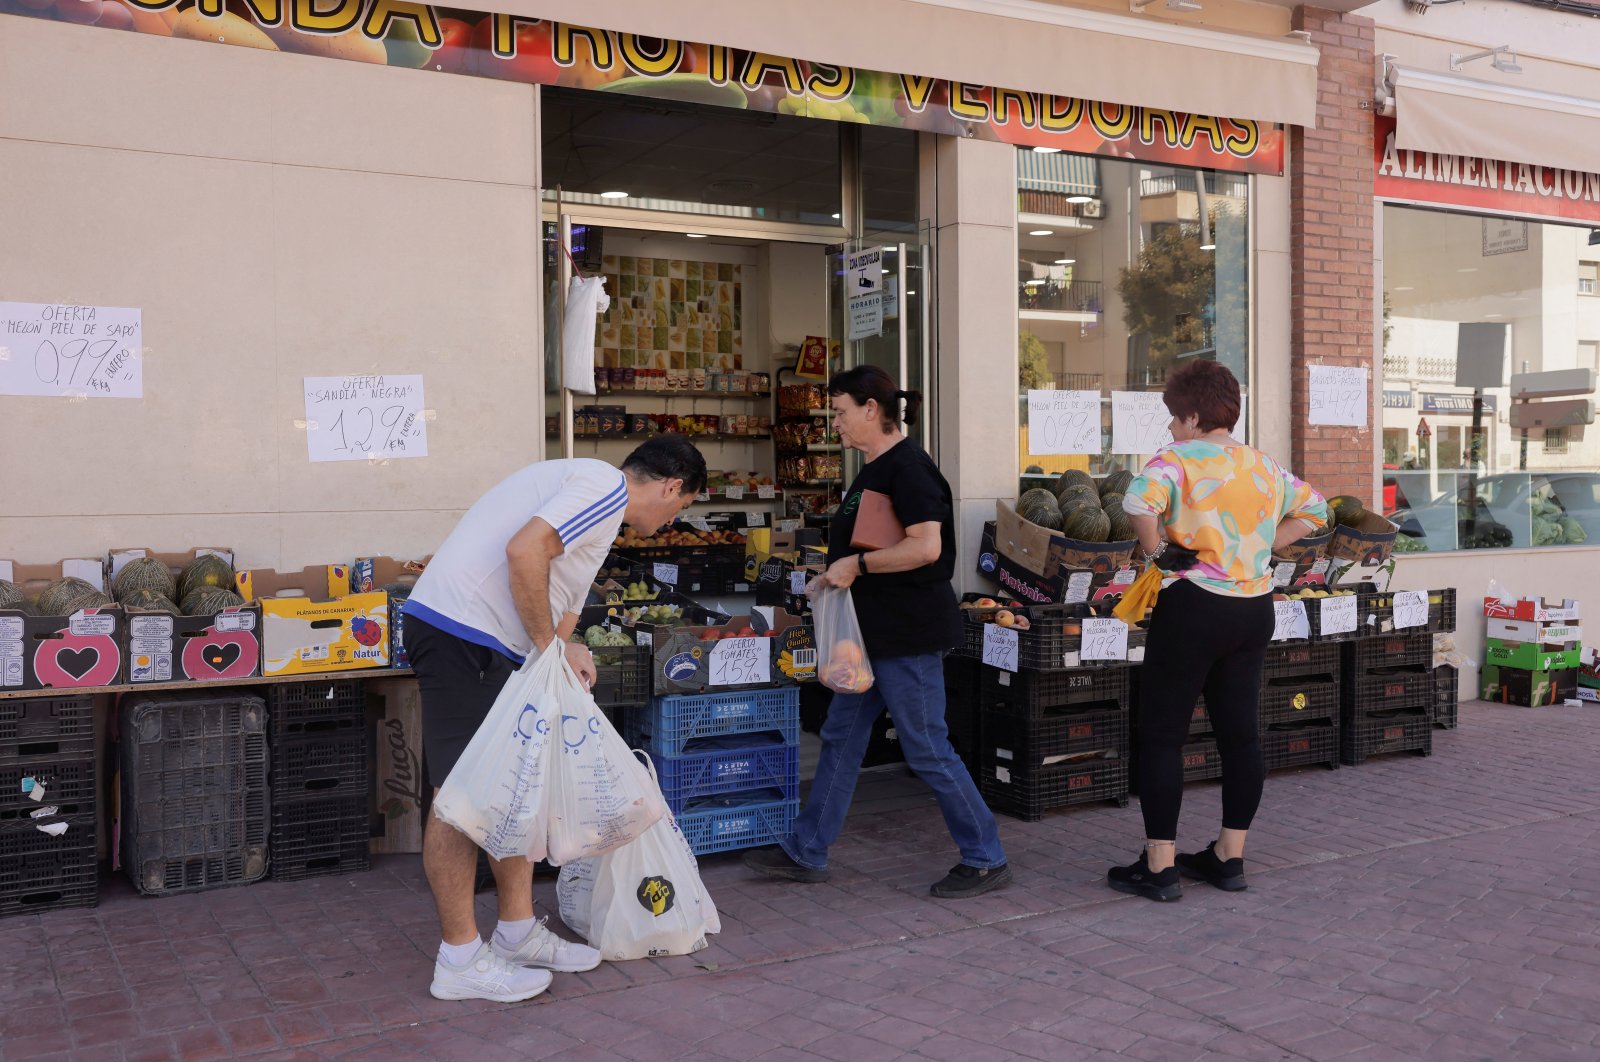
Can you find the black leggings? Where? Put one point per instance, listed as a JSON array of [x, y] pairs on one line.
[[1201, 642]]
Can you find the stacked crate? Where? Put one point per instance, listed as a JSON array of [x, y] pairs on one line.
[[47, 793], [194, 790], [1387, 694], [1299, 705], [1533, 652], [1446, 697], [962, 709], [320, 778], [728, 763]]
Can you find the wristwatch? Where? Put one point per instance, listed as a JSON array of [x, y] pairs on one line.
[[861, 562]]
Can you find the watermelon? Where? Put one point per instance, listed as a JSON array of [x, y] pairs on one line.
[[143, 573], [1087, 524], [149, 601], [11, 595], [204, 571], [1117, 482], [209, 600], [54, 598], [1038, 506]]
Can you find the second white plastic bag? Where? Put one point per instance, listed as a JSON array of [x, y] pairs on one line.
[[842, 663], [586, 301]]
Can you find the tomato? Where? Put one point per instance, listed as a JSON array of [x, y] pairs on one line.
[[532, 62], [454, 51]]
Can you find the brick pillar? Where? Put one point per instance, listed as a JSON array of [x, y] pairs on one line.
[[1331, 226]]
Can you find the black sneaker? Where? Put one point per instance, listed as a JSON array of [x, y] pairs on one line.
[[970, 881], [1225, 874], [774, 862], [1138, 879]]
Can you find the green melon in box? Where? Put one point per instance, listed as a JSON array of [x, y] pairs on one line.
[[204, 571], [143, 573], [53, 599]]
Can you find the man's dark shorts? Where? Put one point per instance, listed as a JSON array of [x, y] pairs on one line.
[[459, 681]]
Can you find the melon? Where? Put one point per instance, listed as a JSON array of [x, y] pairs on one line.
[[202, 572], [1086, 524], [1346, 511], [1077, 495], [1117, 482], [1038, 506], [1072, 477], [209, 600], [1121, 528], [91, 599], [1111, 503], [11, 595], [54, 598], [143, 573], [149, 601], [1033, 470]]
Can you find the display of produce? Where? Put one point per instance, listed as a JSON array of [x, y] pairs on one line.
[[209, 600], [204, 571], [143, 574], [678, 535], [54, 599]]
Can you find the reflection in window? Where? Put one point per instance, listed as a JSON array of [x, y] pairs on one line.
[[1461, 315], [1125, 272]]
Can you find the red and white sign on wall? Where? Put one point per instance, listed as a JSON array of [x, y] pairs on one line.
[[1489, 185]]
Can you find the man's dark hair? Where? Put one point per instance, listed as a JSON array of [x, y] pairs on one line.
[[668, 457]]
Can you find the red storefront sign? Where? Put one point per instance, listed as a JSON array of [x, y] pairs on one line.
[[450, 40], [1479, 184]]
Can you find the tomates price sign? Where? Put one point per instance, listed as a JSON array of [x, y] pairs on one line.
[[359, 418]]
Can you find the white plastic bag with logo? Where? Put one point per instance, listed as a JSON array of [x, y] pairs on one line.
[[498, 790], [643, 899], [598, 795], [586, 301], [842, 663]]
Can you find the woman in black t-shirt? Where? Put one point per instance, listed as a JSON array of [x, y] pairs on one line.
[[909, 620]]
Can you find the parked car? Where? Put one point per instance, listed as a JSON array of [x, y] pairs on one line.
[[1511, 509]]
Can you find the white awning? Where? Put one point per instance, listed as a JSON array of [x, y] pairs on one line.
[[1452, 115], [1019, 44], [1058, 172]]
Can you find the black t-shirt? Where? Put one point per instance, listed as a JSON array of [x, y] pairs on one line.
[[904, 613]]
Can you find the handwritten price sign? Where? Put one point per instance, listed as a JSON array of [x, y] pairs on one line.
[[1140, 422], [1063, 422], [356, 418], [71, 351], [1290, 622], [1000, 646], [1336, 615], [1104, 639], [1410, 609], [741, 662], [665, 573], [1338, 395]]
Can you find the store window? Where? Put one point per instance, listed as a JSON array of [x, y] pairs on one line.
[[1588, 274], [1462, 313], [1126, 271]]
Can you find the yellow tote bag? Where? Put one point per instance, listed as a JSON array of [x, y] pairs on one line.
[[1141, 595]]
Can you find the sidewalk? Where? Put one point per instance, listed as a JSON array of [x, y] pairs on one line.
[[1441, 908]]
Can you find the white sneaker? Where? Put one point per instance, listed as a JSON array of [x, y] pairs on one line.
[[544, 948], [487, 976]]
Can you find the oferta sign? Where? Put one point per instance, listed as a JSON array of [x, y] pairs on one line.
[[451, 40]]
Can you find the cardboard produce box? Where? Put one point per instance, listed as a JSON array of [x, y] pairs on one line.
[[1529, 687], [399, 788], [716, 658], [1530, 610], [79, 651], [311, 622], [170, 647], [388, 574], [1530, 656], [1368, 541]]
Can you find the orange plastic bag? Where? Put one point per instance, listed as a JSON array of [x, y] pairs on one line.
[[1140, 596]]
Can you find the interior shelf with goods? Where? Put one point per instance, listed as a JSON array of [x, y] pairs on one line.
[[810, 456]]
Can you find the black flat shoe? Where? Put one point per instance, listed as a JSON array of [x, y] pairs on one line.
[[970, 881], [774, 862], [1137, 879], [1225, 874]]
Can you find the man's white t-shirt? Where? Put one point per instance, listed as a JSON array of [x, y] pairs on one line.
[[466, 589]]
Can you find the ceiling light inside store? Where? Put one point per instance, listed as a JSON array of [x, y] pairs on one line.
[[695, 235], [613, 195], [1066, 261], [1041, 232], [1079, 200]]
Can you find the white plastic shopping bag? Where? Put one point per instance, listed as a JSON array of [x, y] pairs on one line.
[[586, 301], [497, 792], [598, 795], [643, 899], [842, 663]]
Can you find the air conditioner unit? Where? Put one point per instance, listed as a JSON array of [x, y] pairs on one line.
[[1093, 209]]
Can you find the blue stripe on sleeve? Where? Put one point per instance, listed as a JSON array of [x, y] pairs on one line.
[[596, 520], [565, 530]]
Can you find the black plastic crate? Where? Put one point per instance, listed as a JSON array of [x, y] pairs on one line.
[[61, 727], [1302, 745], [1376, 612], [317, 768], [325, 708], [1029, 794], [1389, 650], [1396, 730], [1299, 659], [67, 785], [1299, 700], [1385, 688], [622, 676], [1028, 742], [1446, 697], [1032, 693], [1201, 760], [315, 837], [961, 681], [1200, 721], [39, 872]]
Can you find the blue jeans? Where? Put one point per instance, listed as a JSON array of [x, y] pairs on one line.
[[912, 689]]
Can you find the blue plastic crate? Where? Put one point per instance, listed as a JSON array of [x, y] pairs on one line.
[[664, 728], [717, 829], [703, 774]]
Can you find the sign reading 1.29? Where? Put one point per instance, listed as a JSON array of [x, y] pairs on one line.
[[354, 418]]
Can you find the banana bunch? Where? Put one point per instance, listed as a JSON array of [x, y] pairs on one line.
[[787, 666]]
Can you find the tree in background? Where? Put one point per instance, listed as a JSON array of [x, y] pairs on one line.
[[1167, 293], [1033, 364]]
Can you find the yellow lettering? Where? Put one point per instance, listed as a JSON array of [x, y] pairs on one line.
[[305, 17], [720, 63], [154, 5], [502, 36], [642, 62], [967, 107], [1245, 138], [566, 50], [1061, 114], [1198, 123], [1148, 116], [757, 65], [210, 8], [835, 88], [917, 90], [1107, 126], [1025, 102], [385, 12]]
